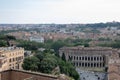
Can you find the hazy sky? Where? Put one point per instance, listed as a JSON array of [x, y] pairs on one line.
[[59, 11]]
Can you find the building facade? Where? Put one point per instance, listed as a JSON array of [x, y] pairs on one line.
[[37, 39], [89, 57], [11, 58]]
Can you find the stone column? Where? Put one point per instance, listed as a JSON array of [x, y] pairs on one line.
[[93, 61]]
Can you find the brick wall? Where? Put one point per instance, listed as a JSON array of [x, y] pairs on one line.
[[114, 72], [22, 75], [5, 75], [114, 76]]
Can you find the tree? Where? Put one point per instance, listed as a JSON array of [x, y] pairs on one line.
[[86, 45], [8, 37], [31, 63], [3, 43], [46, 62], [30, 45], [68, 69], [47, 65], [57, 45], [63, 57], [40, 56]]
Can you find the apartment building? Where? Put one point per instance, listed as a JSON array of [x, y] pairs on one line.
[[11, 58]]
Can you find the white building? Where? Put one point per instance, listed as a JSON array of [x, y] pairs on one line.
[[37, 39]]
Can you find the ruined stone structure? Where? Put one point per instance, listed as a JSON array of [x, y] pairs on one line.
[[114, 71], [89, 57]]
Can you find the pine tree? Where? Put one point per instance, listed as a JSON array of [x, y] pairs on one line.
[[63, 57]]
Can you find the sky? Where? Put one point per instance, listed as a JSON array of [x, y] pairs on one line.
[[59, 11]]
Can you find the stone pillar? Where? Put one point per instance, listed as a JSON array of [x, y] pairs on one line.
[[99, 64], [102, 64], [93, 61], [90, 58], [90, 64], [102, 59], [99, 58], [82, 64]]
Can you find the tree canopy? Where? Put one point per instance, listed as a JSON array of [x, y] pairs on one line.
[[46, 62]]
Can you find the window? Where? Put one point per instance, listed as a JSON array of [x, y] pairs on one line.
[[69, 57], [91, 64], [10, 60], [74, 57], [76, 63], [91, 58], [95, 58], [80, 64], [94, 64], [79, 58], [82, 58], [98, 58], [103, 64]]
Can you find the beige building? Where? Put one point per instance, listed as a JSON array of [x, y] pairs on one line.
[[11, 58], [92, 58]]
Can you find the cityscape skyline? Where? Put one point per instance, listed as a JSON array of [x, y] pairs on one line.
[[59, 11]]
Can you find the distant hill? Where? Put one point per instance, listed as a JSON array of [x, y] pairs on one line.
[[103, 25], [92, 25]]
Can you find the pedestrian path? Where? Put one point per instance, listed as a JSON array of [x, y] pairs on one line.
[[90, 75]]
